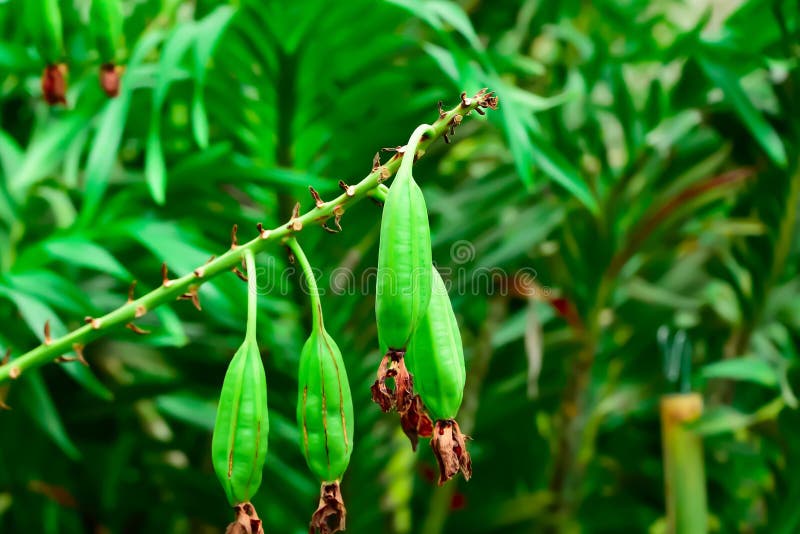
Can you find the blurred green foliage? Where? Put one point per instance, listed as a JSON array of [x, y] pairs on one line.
[[643, 163]]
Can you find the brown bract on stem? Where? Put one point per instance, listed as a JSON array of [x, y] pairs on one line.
[[246, 522], [331, 514], [450, 448]]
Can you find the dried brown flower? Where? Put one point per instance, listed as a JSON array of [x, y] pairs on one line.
[[331, 514], [450, 448]]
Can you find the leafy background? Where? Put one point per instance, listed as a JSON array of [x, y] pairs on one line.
[[644, 162]]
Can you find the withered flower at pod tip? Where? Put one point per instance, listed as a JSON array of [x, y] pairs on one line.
[[54, 84], [247, 521], [450, 448], [415, 421], [110, 75], [413, 417], [382, 395], [331, 514]]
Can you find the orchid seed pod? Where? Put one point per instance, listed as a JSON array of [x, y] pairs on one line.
[[404, 256], [239, 442], [43, 21], [106, 22], [435, 357], [324, 411], [403, 288]]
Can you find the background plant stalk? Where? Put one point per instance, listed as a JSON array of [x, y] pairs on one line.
[[684, 470]]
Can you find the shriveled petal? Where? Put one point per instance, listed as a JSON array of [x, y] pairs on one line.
[[464, 458], [404, 384], [247, 521], [382, 394], [449, 447], [415, 421], [331, 514]]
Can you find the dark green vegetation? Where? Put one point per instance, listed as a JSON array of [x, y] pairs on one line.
[[643, 162]]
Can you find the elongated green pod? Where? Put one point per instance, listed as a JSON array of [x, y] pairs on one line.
[[43, 21], [106, 21], [435, 356], [403, 286], [324, 410], [239, 442], [324, 407], [105, 18]]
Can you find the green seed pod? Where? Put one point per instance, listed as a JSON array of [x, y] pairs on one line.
[[324, 411], [435, 356], [239, 442], [324, 407], [106, 23], [43, 20], [105, 19], [404, 256]]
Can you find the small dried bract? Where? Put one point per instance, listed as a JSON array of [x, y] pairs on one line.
[[450, 448], [247, 521], [331, 514]]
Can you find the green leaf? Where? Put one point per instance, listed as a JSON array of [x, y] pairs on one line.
[[34, 398], [746, 368], [190, 408], [721, 419], [103, 153], [46, 150], [175, 49], [81, 252], [761, 130], [561, 171], [35, 313], [211, 29], [437, 13], [155, 169]]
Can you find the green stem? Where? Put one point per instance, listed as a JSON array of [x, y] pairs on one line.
[[252, 294], [173, 289], [411, 148], [313, 289]]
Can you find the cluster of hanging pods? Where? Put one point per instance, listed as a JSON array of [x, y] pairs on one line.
[[44, 25], [421, 375]]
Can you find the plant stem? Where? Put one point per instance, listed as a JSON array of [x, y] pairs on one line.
[[311, 280], [252, 294], [684, 472], [172, 289]]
